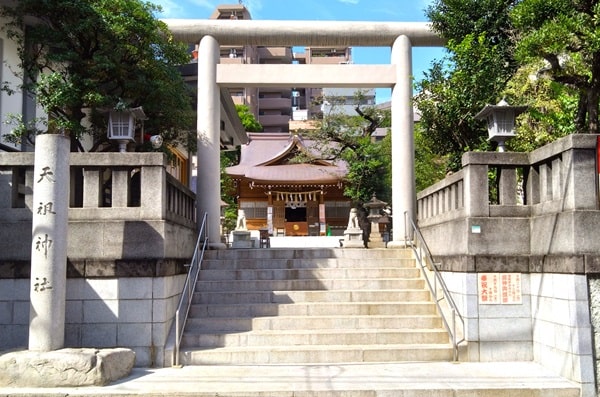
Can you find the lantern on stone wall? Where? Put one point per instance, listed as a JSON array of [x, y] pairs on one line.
[[500, 121], [121, 125]]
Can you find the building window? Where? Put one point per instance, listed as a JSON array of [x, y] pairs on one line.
[[254, 209], [337, 209]]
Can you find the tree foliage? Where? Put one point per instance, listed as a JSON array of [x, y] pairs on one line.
[[566, 35], [429, 167], [98, 55], [478, 65], [542, 53], [345, 137], [247, 118], [551, 108]]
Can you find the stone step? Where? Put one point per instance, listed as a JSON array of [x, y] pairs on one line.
[[307, 253], [309, 284], [311, 309], [317, 354], [239, 324], [305, 263], [320, 337], [230, 297], [282, 306], [309, 273]]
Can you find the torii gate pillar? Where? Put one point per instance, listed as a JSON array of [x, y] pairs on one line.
[[208, 187], [403, 146]]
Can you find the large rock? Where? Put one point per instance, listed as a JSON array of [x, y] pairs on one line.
[[65, 367]]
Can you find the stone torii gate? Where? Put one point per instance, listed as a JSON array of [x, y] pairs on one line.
[[400, 36]]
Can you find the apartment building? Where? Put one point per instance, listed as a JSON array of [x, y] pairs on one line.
[[272, 106], [316, 102], [278, 107]]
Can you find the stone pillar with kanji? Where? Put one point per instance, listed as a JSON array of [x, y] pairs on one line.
[[49, 243]]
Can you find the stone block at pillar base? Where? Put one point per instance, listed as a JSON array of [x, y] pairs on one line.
[[375, 241], [398, 244], [242, 239], [353, 238], [217, 246], [65, 367]]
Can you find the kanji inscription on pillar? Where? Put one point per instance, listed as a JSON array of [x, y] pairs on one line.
[[49, 235]]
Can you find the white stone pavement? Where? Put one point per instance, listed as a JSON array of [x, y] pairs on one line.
[[441, 379]]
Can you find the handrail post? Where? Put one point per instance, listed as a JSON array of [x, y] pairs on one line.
[[422, 254], [188, 289], [405, 229], [454, 344], [177, 332]]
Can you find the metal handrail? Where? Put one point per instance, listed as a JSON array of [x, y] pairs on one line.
[[423, 255], [187, 293]]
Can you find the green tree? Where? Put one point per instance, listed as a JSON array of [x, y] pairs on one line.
[[566, 35], [247, 118], [340, 136], [98, 55], [551, 108], [429, 167], [478, 65]]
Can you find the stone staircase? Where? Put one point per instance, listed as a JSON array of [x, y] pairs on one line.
[[317, 306]]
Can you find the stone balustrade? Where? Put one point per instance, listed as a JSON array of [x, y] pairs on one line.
[[537, 203], [121, 206]]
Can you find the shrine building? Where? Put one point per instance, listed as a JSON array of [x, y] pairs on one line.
[[286, 195]]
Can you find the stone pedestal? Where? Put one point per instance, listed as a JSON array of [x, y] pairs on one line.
[[375, 239], [353, 238], [375, 206], [241, 239], [353, 234], [65, 367]]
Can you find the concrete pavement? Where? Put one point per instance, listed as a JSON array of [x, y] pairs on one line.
[[440, 379]]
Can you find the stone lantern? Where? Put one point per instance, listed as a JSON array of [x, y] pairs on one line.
[[501, 121], [121, 125], [375, 206]]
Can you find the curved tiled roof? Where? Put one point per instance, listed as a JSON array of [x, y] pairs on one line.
[[307, 173], [261, 160]]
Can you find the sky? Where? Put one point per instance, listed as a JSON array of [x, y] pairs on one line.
[[325, 10]]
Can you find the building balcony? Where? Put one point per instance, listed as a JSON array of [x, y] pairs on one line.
[[279, 92], [232, 61], [272, 120], [279, 54], [328, 60], [275, 103]]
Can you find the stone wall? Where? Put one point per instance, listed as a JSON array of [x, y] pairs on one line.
[[551, 325], [136, 313], [132, 227], [101, 312], [594, 294], [537, 218]]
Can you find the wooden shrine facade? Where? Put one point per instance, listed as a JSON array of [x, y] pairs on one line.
[[288, 197]]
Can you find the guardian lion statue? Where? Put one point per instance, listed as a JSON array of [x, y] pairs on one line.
[[241, 221]]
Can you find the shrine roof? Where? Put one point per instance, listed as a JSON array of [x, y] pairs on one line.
[[264, 158]]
